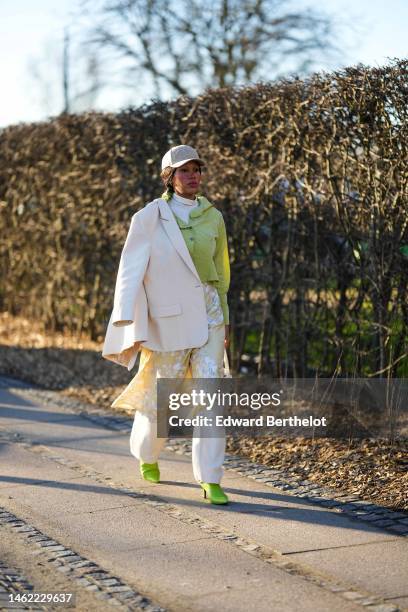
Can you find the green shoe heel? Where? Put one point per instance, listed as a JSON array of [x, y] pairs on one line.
[[150, 472], [214, 493]]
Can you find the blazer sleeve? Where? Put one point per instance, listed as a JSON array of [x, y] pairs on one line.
[[132, 267]]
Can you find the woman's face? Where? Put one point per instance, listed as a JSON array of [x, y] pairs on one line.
[[187, 179]]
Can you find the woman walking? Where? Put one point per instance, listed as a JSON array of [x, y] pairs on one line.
[[171, 303]]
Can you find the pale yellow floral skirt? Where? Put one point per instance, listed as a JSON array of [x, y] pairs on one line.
[[203, 362]]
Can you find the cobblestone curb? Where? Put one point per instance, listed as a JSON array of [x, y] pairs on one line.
[[263, 553], [12, 580], [84, 573], [350, 505]]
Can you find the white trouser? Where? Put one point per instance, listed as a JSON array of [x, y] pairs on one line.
[[207, 453], [141, 393]]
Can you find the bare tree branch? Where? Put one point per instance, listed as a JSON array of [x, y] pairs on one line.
[[188, 46]]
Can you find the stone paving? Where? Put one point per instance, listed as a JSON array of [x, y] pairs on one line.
[[80, 570], [89, 575], [94, 577], [350, 505], [13, 581]]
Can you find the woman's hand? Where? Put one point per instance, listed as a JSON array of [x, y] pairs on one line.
[[227, 339]]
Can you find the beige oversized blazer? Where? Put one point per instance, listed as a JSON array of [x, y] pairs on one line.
[[159, 298]]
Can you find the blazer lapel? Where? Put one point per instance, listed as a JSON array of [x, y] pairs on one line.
[[174, 233]]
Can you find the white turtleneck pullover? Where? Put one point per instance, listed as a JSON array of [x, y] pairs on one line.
[[182, 206]]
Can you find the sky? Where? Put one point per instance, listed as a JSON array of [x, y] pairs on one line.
[[31, 32]]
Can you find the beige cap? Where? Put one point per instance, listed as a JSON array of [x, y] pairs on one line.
[[177, 156]]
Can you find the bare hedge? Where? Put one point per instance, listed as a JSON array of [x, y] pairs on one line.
[[311, 177]]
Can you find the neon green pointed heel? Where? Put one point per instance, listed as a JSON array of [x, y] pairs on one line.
[[150, 472], [214, 493]]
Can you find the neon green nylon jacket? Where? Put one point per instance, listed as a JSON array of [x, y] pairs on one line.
[[206, 239]]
